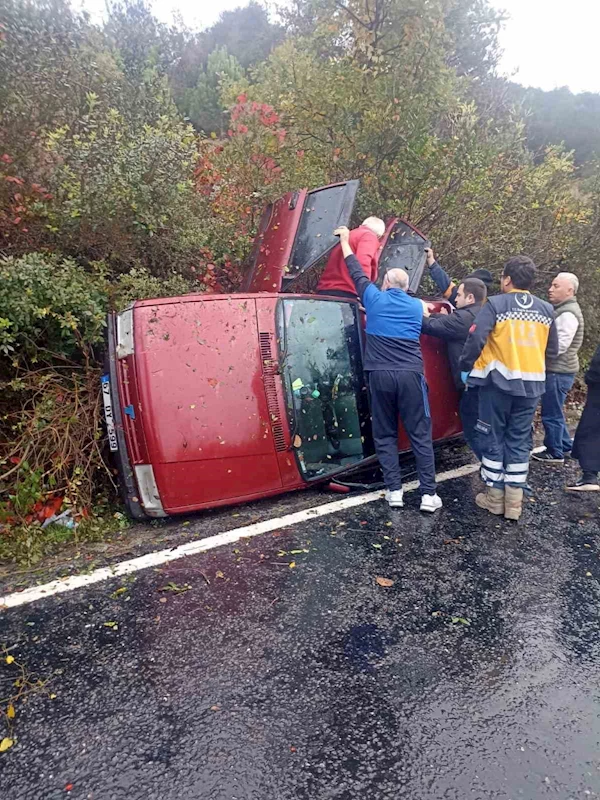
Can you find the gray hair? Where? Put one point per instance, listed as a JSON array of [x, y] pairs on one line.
[[572, 278], [374, 224], [397, 278]]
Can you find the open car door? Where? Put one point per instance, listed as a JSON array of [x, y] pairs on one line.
[[295, 233], [403, 246]]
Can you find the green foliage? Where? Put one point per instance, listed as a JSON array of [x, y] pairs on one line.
[[49, 305], [202, 104]]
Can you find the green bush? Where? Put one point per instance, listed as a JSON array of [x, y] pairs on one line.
[[50, 308]]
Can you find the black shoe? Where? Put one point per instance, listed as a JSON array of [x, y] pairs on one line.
[[547, 458], [588, 482]]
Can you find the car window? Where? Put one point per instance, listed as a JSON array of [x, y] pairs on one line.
[[325, 388], [404, 249], [324, 210]]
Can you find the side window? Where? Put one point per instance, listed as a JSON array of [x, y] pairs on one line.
[[324, 210], [404, 249]]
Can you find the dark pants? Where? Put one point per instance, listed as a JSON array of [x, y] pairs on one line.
[[586, 447], [504, 429], [557, 439], [404, 395], [469, 414]]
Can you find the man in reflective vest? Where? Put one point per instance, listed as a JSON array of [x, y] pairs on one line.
[[505, 356]]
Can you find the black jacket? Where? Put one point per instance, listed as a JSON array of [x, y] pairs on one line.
[[453, 329], [592, 376]]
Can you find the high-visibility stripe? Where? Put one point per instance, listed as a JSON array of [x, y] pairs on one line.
[[518, 467], [491, 476], [487, 462], [509, 374], [516, 478]]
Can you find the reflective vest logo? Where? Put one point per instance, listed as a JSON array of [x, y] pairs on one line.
[[524, 301]]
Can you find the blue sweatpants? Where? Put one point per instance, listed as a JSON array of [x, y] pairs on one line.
[[504, 428], [405, 395]]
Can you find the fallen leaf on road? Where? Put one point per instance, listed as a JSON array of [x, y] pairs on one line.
[[215, 708], [10, 711], [389, 524], [119, 591], [52, 696], [460, 620], [377, 546], [384, 581], [10, 659], [292, 564], [163, 600], [175, 588], [111, 624], [6, 744], [68, 787], [219, 574], [296, 552], [588, 574]]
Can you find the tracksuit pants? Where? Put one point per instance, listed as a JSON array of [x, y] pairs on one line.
[[504, 428], [405, 395]]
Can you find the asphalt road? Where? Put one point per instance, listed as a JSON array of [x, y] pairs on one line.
[[476, 674]]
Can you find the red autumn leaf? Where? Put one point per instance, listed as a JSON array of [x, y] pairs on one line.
[[68, 787]]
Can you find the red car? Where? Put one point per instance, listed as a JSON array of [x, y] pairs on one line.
[[213, 400]]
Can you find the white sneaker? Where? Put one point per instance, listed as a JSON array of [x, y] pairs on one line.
[[431, 502], [395, 498]]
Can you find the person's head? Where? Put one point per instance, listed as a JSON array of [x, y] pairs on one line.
[[375, 225], [519, 273], [395, 279], [470, 291], [484, 275], [564, 286]]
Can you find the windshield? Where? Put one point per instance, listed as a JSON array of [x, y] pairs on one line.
[[325, 387]]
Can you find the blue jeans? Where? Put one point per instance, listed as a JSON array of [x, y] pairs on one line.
[[504, 428], [469, 414], [557, 439]]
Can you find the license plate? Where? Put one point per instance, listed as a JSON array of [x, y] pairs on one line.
[[108, 414]]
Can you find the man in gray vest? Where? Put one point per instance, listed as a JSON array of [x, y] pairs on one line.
[[561, 369]]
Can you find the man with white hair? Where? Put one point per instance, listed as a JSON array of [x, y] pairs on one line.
[[364, 242], [562, 368], [397, 387]]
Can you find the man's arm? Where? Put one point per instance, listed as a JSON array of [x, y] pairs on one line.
[[566, 328], [441, 278], [478, 334], [449, 327], [364, 287]]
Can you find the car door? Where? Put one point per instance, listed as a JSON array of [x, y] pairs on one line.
[[403, 246], [295, 232]]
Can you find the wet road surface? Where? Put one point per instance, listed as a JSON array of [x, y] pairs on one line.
[[474, 675]]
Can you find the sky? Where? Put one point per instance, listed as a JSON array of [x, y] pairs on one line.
[[546, 43]]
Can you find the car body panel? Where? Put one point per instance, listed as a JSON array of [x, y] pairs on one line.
[[203, 403]]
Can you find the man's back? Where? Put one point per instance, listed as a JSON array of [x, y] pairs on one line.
[[335, 277], [507, 344]]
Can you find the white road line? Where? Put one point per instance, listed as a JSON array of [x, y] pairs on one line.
[[201, 545]]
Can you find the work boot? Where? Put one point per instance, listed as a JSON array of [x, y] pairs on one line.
[[513, 502], [492, 500]]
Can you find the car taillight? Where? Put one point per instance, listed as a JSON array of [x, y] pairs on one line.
[[125, 333], [148, 490]]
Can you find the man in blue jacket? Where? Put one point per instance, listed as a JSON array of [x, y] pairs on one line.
[[394, 364]]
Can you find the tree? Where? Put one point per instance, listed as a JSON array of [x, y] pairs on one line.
[[202, 104]]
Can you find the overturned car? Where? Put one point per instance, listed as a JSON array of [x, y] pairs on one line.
[[213, 400]]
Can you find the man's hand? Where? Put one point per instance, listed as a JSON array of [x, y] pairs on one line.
[[426, 308], [343, 233], [444, 310], [430, 256]]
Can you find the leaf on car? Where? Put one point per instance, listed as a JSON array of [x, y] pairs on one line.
[[297, 441], [384, 581], [213, 383]]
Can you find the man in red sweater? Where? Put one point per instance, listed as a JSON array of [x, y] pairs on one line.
[[364, 242]]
